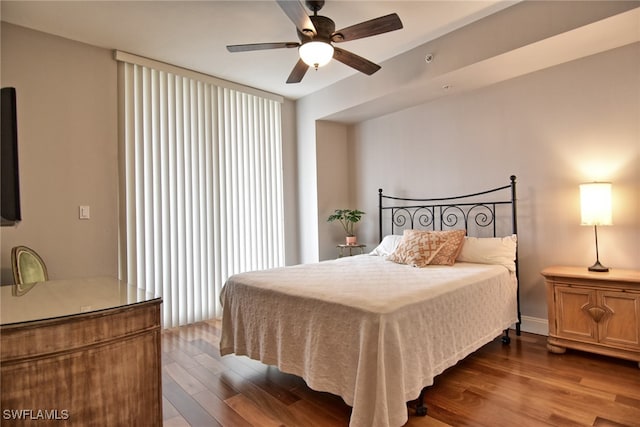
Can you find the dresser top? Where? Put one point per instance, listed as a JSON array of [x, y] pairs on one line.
[[60, 298], [614, 274]]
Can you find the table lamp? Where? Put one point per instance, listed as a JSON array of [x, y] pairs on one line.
[[595, 208]]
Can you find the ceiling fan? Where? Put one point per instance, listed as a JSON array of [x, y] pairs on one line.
[[317, 35]]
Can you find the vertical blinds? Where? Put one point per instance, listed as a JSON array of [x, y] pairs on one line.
[[201, 199]]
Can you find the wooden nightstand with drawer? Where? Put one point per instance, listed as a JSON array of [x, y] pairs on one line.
[[593, 311]]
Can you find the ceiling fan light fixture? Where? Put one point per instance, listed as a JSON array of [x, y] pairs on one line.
[[316, 53], [317, 34]]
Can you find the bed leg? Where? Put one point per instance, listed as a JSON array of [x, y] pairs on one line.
[[505, 337], [421, 408]]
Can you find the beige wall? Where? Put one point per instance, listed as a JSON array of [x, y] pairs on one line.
[[290, 182], [332, 153], [510, 47], [554, 129], [556, 104], [68, 148], [67, 138]]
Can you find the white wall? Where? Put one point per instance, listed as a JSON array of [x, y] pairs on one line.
[[554, 129]]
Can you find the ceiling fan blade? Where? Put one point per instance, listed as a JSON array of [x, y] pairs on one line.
[[260, 46], [298, 72], [376, 26], [355, 61], [298, 15]]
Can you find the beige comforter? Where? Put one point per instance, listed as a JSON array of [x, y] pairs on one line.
[[367, 329]]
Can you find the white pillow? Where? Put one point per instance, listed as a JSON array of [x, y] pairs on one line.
[[490, 250], [387, 246]]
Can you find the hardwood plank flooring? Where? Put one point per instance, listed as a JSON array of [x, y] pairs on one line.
[[520, 384]]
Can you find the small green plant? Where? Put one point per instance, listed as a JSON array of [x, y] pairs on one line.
[[347, 218]]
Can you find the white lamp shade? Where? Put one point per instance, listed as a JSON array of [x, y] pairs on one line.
[[595, 203], [316, 54]]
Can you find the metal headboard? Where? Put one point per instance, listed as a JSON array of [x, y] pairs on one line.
[[476, 211]]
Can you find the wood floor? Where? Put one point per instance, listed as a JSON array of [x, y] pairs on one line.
[[516, 385]]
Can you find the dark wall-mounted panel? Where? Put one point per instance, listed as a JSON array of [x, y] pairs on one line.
[[10, 178]]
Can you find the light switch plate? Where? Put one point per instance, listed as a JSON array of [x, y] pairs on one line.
[[84, 212]]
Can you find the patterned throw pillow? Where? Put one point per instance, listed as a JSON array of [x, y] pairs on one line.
[[417, 248], [451, 247]]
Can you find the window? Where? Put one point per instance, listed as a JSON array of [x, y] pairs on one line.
[[201, 185]]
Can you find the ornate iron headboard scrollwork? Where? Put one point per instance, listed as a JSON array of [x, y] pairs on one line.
[[475, 211], [489, 213]]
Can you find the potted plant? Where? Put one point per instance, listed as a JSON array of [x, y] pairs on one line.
[[347, 218]]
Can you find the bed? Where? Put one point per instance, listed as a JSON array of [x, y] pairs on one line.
[[376, 331]]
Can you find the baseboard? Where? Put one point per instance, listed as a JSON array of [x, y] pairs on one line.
[[535, 325]]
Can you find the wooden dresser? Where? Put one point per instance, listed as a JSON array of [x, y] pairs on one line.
[[80, 352], [596, 312]]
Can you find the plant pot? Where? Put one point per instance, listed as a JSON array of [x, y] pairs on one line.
[[352, 240]]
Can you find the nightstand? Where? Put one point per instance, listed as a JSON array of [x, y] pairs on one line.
[[342, 247], [593, 311]]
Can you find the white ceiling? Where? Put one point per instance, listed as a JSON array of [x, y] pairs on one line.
[[193, 34]]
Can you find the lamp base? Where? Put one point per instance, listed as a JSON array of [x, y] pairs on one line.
[[598, 267]]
